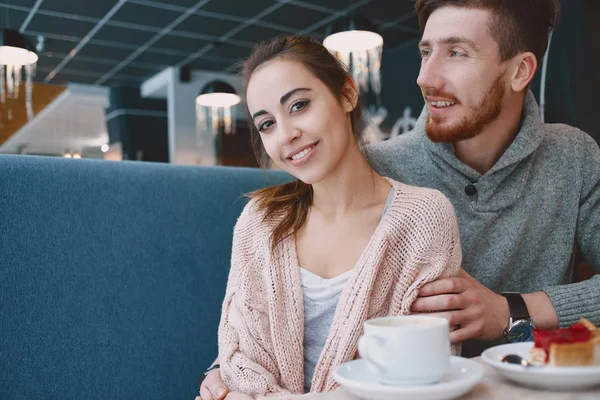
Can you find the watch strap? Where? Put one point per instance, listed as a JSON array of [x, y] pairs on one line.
[[517, 307]]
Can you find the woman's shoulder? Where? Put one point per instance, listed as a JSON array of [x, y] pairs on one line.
[[253, 218], [420, 209], [419, 197]]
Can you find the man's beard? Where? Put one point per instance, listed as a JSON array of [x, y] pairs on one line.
[[471, 125]]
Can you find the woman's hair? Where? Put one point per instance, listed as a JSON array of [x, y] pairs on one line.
[[293, 200]]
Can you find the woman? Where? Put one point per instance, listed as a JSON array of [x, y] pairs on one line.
[[315, 258]]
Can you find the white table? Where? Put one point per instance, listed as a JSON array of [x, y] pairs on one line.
[[492, 387]]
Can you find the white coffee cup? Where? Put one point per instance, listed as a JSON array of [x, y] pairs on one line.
[[407, 350]]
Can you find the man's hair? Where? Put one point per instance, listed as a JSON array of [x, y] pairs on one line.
[[517, 25]]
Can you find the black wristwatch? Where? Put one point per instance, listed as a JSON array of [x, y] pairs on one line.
[[520, 327], [205, 373]]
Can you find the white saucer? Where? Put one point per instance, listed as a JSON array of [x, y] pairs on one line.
[[544, 377], [356, 378]]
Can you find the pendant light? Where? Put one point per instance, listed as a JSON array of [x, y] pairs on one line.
[[214, 105], [354, 40], [15, 56]]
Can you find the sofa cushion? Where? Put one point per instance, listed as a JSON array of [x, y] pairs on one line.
[[112, 274]]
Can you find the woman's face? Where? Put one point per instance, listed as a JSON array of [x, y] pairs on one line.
[[304, 128]]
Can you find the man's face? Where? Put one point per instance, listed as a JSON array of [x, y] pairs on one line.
[[462, 79]]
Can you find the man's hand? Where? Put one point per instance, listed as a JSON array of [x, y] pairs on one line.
[[238, 396], [475, 311], [213, 388]]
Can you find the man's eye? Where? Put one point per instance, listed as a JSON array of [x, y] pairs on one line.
[[425, 53], [456, 53]]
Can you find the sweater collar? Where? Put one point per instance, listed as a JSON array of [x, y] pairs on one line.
[[527, 140]]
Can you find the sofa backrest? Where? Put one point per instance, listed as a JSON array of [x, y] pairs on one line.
[[112, 275]]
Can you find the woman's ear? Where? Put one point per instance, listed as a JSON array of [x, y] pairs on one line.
[[349, 95]]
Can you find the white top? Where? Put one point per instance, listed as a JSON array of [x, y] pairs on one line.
[[321, 290]]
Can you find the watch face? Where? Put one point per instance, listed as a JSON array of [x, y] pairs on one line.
[[522, 331]]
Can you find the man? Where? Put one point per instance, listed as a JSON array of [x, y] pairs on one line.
[[526, 194]]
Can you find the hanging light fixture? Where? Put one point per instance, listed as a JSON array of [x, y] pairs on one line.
[[15, 57], [214, 106], [355, 42]]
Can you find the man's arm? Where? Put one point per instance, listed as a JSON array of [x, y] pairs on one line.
[[582, 300]]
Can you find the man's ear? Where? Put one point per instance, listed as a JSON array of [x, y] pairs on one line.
[[349, 95], [524, 68]]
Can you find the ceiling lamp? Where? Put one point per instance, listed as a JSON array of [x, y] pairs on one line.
[[214, 107], [356, 43], [14, 57]]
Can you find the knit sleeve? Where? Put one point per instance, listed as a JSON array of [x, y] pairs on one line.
[[247, 363], [432, 249], [582, 300], [436, 251]]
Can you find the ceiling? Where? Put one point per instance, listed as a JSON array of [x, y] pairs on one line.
[[125, 42]]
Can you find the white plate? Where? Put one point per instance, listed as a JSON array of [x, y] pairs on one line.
[[356, 378], [544, 377]]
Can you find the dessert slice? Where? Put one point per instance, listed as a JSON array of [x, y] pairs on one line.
[[577, 345]]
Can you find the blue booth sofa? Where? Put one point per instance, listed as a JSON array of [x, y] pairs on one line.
[[112, 275]]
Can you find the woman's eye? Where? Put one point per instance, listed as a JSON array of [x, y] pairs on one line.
[[299, 105], [263, 126]]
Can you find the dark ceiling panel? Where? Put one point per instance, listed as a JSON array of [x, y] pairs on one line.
[[207, 65], [60, 26], [47, 63], [206, 26], [240, 8], [180, 43], [393, 38], [184, 3], [144, 15], [88, 66], [124, 35], [15, 18], [143, 73], [256, 33], [337, 5], [21, 3], [295, 17], [158, 59], [228, 50], [113, 53], [386, 10], [96, 9], [52, 46]]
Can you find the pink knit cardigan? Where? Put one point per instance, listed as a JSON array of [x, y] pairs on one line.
[[262, 324]]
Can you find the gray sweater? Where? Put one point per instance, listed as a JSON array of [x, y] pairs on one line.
[[519, 230]]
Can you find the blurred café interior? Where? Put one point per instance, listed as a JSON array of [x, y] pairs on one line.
[[124, 79]]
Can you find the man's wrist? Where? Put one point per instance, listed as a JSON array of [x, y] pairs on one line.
[[505, 315], [520, 326], [541, 310]]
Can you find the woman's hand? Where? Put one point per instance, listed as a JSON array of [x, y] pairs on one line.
[[212, 387]]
